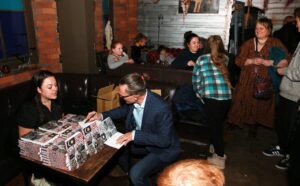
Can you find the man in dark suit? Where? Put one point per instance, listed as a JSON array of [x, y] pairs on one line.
[[149, 129]]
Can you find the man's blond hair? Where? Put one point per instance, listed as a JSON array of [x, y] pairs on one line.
[[191, 172]]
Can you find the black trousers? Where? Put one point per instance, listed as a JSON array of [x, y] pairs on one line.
[[294, 144], [216, 111], [286, 117]]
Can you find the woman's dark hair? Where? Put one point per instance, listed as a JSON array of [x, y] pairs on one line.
[[160, 48], [297, 12], [188, 36], [39, 77], [136, 83], [37, 81], [140, 37]]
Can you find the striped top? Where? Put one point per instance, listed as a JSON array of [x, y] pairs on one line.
[[208, 81]]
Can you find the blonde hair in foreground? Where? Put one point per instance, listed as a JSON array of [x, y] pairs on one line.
[[191, 172]]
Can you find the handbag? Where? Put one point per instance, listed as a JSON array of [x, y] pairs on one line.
[[263, 88]]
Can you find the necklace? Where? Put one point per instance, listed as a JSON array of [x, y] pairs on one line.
[[262, 43]]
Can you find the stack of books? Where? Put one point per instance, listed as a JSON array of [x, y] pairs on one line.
[[66, 143], [31, 142]]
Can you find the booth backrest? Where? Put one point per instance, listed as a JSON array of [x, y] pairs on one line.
[[153, 55], [156, 72], [77, 94]]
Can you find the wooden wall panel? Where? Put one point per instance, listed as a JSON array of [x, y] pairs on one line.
[[174, 25], [276, 10]]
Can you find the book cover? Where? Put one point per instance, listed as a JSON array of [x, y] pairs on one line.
[[93, 140], [39, 137], [57, 127], [72, 118], [76, 148]]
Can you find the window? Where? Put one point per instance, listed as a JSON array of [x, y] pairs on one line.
[[13, 34]]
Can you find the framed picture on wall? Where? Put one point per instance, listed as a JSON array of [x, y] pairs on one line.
[[198, 6]]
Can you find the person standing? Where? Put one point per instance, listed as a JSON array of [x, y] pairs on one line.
[[149, 129], [253, 59], [288, 34], [288, 108], [212, 85]]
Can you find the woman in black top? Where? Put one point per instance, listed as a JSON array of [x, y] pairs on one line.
[[140, 41], [42, 108], [187, 58]]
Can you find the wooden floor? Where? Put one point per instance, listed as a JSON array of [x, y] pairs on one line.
[[245, 165]]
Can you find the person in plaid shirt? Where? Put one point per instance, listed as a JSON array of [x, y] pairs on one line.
[[212, 85]]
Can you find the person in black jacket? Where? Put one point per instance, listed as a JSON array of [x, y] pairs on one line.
[[187, 58], [136, 53], [288, 34]]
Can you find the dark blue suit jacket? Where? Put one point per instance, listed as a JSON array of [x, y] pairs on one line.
[[157, 134]]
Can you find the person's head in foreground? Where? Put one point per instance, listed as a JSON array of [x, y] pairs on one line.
[[191, 172]]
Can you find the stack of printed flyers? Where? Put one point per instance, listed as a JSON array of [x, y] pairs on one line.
[[67, 143]]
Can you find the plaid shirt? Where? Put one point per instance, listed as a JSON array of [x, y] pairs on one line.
[[208, 81]]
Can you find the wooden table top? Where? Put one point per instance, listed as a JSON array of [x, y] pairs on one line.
[[89, 168]]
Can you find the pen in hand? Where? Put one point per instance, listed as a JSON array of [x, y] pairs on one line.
[[86, 120], [89, 118]]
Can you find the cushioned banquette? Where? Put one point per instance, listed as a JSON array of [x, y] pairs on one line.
[[76, 95]]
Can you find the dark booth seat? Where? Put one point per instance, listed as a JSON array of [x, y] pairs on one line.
[[76, 95]]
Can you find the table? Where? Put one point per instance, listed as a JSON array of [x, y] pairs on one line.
[[86, 172]]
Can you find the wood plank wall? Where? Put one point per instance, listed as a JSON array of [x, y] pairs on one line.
[[174, 25], [276, 10]]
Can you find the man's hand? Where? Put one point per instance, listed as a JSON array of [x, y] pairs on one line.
[[125, 138], [92, 116]]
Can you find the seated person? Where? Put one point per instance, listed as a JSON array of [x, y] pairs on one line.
[[165, 58], [191, 172], [149, 129], [42, 107], [117, 56], [136, 53], [187, 58]]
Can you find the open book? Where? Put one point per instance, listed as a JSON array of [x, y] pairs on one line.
[[107, 131]]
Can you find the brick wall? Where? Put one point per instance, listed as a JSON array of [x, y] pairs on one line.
[[45, 24], [98, 26], [125, 21]]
